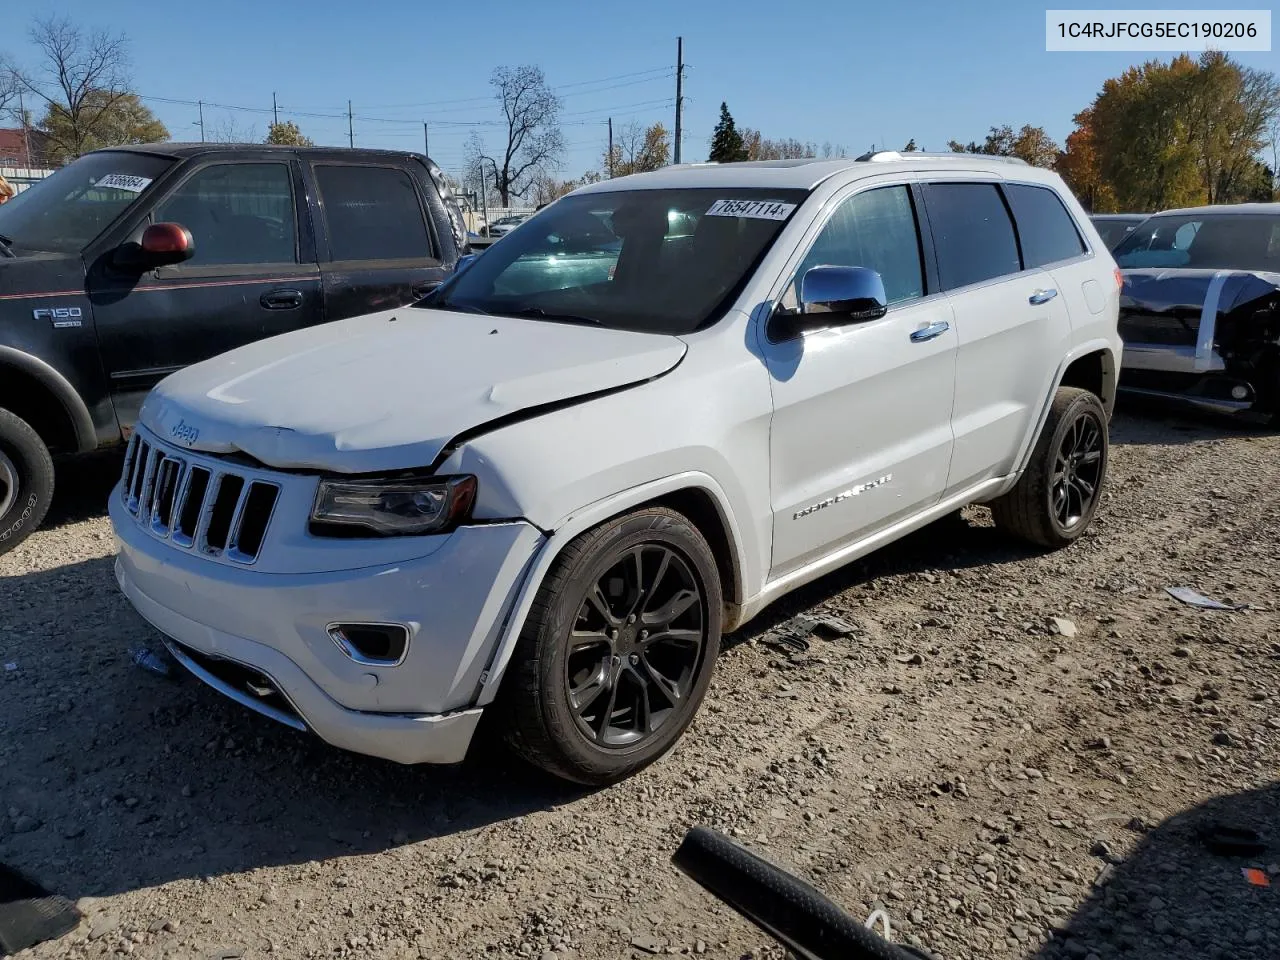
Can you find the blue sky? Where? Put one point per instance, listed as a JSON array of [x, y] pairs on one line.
[[850, 73]]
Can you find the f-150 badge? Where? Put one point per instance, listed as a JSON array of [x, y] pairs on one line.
[[60, 316]]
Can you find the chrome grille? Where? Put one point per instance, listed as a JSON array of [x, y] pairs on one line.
[[197, 506]]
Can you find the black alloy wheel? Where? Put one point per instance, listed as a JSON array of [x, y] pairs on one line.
[[618, 650], [1077, 472], [636, 647]]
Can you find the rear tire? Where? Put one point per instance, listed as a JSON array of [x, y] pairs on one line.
[[618, 650], [1058, 494], [26, 480]]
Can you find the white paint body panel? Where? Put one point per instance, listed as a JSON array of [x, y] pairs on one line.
[[761, 430]]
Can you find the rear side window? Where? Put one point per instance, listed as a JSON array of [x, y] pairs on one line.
[[372, 213], [1047, 232], [972, 233]]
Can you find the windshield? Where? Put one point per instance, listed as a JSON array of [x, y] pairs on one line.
[[660, 261], [64, 212], [1114, 229], [1200, 241]]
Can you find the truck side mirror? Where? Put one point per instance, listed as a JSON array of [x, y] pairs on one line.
[[162, 244]]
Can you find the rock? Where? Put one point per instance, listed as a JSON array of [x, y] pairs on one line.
[[914, 659], [26, 824], [73, 832], [186, 791], [1182, 652], [1253, 935], [225, 953], [700, 946], [1019, 932], [102, 925], [647, 943], [1099, 743], [1186, 756], [1156, 905], [1063, 627], [1224, 739]]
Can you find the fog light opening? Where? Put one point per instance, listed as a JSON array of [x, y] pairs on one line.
[[1239, 392], [372, 644]]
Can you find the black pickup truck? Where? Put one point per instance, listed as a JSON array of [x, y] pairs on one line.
[[133, 262]]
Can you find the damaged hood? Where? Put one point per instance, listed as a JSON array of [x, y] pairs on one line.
[[1184, 293], [390, 390]]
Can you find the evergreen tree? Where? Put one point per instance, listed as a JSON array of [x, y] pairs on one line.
[[726, 142]]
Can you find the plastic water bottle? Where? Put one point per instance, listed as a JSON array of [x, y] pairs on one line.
[[149, 661]]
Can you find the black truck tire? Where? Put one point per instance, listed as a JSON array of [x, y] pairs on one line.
[[1058, 494], [26, 480], [583, 662]]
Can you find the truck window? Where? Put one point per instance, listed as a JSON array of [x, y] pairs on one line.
[[372, 213], [237, 213]]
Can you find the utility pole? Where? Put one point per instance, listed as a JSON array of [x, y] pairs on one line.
[[426, 142], [275, 110], [679, 96], [351, 131], [26, 141], [611, 148], [200, 106]]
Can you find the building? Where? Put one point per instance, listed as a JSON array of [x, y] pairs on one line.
[[21, 151]]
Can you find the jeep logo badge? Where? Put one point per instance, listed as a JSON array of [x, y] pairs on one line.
[[60, 316], [185, 433]]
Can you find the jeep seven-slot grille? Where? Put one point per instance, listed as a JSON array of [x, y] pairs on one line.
[[215, 511]]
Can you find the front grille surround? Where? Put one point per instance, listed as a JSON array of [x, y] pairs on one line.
[[204, 505]]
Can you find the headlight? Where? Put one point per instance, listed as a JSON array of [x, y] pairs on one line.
[[399, 507]]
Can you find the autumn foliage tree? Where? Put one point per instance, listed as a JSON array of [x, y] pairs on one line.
[[1029, 143], [1079, 166], [638, 149], [286, 133], [1184, 132]]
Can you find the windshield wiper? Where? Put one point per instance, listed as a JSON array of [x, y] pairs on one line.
[[5, 244], [538, 313]]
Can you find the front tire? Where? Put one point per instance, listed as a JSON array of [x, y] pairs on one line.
[[618, 650], [1058, 494], [26, 480]]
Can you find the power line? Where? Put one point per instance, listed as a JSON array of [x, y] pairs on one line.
[[664, 71]]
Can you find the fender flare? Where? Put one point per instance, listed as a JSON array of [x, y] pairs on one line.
[[577, 523], [62, 390], [1098, 345]]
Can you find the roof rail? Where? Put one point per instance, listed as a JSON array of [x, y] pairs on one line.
[[881, 156]]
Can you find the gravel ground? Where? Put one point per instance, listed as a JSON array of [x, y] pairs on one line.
[[1010, 752]]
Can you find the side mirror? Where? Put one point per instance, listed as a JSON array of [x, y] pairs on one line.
[[464, 261], [162, 244], [842, 295]]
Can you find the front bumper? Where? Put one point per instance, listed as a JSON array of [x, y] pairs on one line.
[[455, 601]]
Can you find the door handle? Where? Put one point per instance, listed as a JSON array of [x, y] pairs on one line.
[[422, 289], [930, 332], [281, 299], [1041, 296]]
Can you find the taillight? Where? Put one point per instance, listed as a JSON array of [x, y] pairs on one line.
[[1119, 279]]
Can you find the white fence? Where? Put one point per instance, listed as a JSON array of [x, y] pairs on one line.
[[23, 177]]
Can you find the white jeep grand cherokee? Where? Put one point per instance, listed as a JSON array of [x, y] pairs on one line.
[[546, 491]]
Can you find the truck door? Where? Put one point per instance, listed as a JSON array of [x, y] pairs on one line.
[[378, 251], [254, 275]]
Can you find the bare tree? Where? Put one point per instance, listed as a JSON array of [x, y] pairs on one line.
[[82, 77], [227, 130], [8, 88], [534, 144]]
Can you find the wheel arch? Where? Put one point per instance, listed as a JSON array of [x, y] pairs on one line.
[[28, 384], [1089, 364], [695, 495]]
